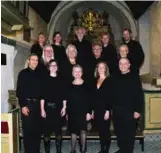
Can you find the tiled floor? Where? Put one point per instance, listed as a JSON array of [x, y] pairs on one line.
[[152, 145]]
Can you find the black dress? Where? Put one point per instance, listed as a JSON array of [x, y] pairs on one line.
[[59, 54], [53, 91], [78, 105]]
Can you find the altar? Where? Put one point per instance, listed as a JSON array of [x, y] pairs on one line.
[[93, 22]]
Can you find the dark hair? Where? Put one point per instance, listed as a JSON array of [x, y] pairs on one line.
[[57, 33], [32, 54], [126, 29], [51, 61]]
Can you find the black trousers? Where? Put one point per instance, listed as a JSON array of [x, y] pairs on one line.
[[31, 129], [125, 128]]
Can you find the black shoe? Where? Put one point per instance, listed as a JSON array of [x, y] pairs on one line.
[[101, 151], [118, 151]]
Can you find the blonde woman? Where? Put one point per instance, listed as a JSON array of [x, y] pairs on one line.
[[123, 51], [67, 65], [103, 105], [47, 55], [78, 109]]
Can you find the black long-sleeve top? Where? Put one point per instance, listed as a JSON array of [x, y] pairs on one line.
[[53, 90], [29, 85], [127, 92], [102, 96], [37, 49], [135, 55], [110, 55], [59, 54], [78, 99]]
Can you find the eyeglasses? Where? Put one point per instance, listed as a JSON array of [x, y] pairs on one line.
[[53, 65]]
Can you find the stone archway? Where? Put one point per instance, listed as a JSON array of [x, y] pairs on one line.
[[61, 17]]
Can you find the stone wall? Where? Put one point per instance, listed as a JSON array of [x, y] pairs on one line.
[[37, 23], [155, 38]]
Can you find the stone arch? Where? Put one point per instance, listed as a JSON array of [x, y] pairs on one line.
[[66, 5]]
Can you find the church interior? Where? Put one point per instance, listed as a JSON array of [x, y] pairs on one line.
[[21, 21]]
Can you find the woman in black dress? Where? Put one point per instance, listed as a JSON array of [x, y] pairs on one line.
[[102, 105], [59, 49], [37, 48], [78, 111], [67, 66], [53, 106]]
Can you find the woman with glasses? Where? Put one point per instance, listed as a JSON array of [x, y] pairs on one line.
[[53, 106]]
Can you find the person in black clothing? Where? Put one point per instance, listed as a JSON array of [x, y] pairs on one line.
[[37, 48], [102, 107], [110, 54], [59, 49], [127, 106], [78, 109], [67, 65], [84, 48], [28, 93], [47, 55], [136, 53], [53, 106]]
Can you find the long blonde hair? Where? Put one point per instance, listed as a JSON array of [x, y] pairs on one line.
[[71, 46], [107, 74], [43, 55]]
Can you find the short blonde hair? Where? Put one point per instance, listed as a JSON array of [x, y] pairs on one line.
[[107, 74], [71, 46], [77, 66], [124, 45], [43, 55]]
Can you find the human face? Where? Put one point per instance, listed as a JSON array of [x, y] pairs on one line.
[[41, 38], [53, 67], [71, 52], [80, 34], [105, 39], [124, 65], [48, 52], [58, 38], [126, 35], [97, 51], [101, 69], [77, 73], [33, 62], [123, 51]]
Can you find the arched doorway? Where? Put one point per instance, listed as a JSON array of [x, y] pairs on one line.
[[120, 17]]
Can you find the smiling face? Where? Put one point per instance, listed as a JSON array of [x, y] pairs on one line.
[[48, 52], [33, 62], [105, 39], [97, 50], [71, 52], [41, 38], [53, 67], [77, 72], [123, 51], [58, 38], [80, 33], [124, 65], [101, 69], [126, 35]]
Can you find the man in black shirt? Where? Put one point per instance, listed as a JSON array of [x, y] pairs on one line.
[[127, 106], [28, 93], [110, 54], [136, 54]]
